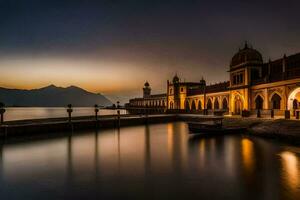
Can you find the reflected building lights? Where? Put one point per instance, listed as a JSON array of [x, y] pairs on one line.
[[202, 152], [147, 147], [170, 142], [247, 155], [229, 157], [290, 169]]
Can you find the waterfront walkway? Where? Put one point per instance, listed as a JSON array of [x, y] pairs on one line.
[[22, 127], [267, 127]]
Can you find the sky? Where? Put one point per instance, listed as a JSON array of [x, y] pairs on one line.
[[113, 46]]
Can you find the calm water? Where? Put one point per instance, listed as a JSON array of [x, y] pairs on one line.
[[149, 162], [51, 112]]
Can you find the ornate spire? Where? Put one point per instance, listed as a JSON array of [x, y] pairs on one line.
[[176, 78], [146, 84], [246, 45]]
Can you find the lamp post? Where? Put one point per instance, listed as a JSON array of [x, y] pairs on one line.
[[2, 111], [203, 86], [96, 111], [69, 110], [118, 112]]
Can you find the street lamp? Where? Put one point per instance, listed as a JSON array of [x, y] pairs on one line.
[[118, 112], [2, 111], [203, 87], [96, 111], [69, 110]]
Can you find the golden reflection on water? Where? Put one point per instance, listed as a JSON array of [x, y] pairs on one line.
[[247, 155], [213, 146], [229, 157], [290, 164], [202, 153], [163, 153], [170, 139]]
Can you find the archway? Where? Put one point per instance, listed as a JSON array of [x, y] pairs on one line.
[[171, 105], [238, 105], [216, 104], [193, 105], [294, 99], [275, 101], [224, 104], [295, 104], [187, 105], [259, 102], [209, 104], [199, 105]]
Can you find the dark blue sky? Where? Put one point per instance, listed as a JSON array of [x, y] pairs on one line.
[[153, 39]]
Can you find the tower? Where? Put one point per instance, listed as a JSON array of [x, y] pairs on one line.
[[146, 90], [245, 67], [176, 85]]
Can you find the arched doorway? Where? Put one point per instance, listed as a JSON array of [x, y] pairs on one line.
[[171, 105], [187, 105], [193, 106], [216, 104], [209, 104], [224, 104], [199, 105], [259, 102], [295, 104], [238, 105], [294, 99], [275, 101]]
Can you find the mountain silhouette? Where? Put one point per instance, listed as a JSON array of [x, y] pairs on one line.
[[52, 96]]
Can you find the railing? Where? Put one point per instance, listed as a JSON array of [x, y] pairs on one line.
[[28, 113]]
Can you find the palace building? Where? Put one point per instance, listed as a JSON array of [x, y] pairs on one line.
[[253, 84]]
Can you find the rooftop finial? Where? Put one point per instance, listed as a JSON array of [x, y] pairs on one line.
[[176, 78], [146, 84], [246, 45]]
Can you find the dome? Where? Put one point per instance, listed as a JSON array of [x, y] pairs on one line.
[[175, 79], [146, 84], [247, 54]]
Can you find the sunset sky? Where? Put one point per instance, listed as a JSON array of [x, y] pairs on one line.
[[114, 46]]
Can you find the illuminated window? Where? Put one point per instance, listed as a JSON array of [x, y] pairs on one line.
[[237, 78]]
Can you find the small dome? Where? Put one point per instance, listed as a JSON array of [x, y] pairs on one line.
[[146, 84], [247, 54], [175, 79]]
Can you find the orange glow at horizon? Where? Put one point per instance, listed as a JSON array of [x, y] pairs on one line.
[[93, 75]]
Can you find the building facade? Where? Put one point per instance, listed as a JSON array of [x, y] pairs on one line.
[[156, 103], [253, 84]]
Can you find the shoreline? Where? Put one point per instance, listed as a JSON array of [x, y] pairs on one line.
[[278, 129]]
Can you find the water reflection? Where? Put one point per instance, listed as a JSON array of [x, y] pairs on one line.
[[248, 155], [154, 161], [291, 170], [147, 151]]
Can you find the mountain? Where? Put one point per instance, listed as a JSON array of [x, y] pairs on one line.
[[52, 96]]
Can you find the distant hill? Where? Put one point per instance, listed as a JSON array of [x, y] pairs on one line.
[[52, 96]]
